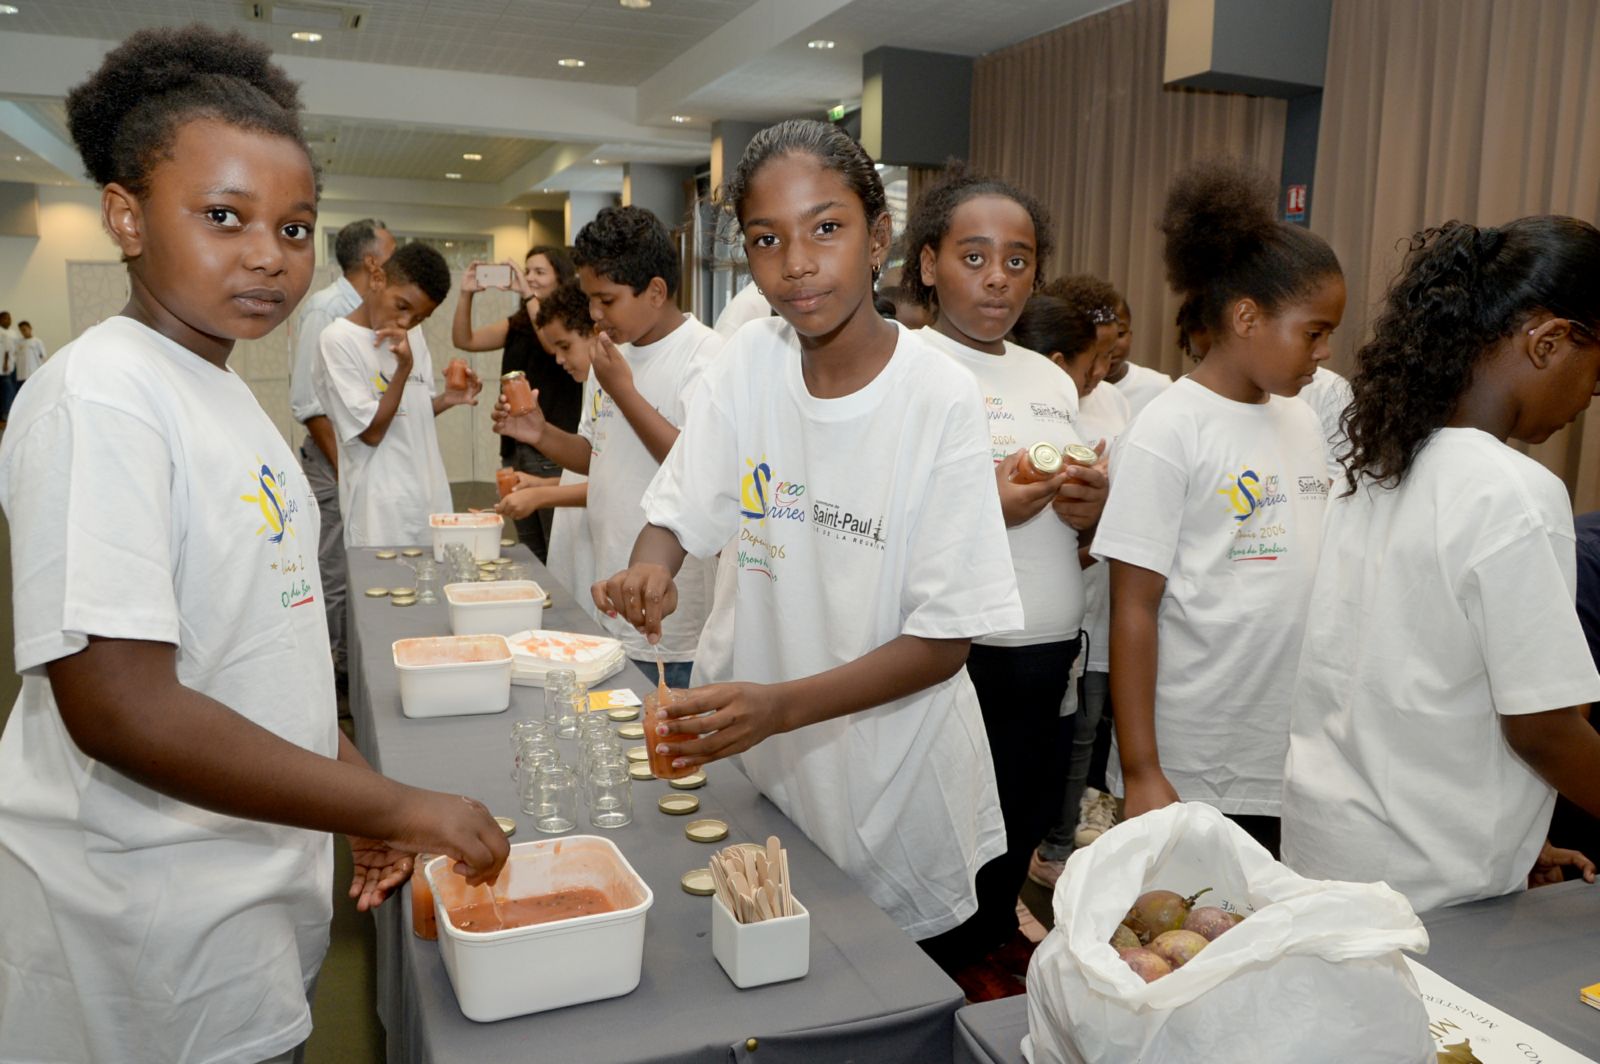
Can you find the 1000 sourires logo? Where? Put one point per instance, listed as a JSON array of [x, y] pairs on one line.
[[834, 522]]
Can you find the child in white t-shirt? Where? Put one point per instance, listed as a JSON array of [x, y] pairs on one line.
[[973, 245], [567, 332], [375, 382], [30, 353], [1441, 688], [634, 402], [1214, 520], [1069, 330], [173, 765], [850, 464]]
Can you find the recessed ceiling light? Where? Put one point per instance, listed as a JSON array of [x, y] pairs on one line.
[[573, 63], [637, 5], [821, 46], [877, 166], [8, 9], [599, 162], [453, 176], [681, 119], [472, 156], [19, 158], [308, 36]]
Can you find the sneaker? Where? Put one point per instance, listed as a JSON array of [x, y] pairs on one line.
[[1043, 872], [1029, 924], [1097, 814]]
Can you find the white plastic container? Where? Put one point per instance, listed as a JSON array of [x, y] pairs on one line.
[[453, 675], [480, 532], [767, 951], [592, 657], [502, 607], [497, 974]]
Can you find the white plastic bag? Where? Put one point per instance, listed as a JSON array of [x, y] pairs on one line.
[[1314, 973]]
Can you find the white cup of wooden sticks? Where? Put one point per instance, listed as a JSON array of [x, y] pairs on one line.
[[759, 933]]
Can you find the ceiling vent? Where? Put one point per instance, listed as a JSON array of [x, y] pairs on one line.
[[306, 15]]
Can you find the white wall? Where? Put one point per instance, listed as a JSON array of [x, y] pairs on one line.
[[34, 287]]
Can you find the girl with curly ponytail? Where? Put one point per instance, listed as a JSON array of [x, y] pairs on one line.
[[1435, 713], [1212, 527], [174, 765]]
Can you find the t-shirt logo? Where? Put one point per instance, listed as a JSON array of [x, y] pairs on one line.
[[277, 518], [763, 498], [380, 382], [1248, 492]]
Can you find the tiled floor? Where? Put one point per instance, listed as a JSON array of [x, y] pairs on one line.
[[347, 1029]]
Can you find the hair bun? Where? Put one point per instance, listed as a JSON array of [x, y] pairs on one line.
[[1218, 213], [1487, 242]]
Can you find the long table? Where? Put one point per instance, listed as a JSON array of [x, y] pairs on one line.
[[871, 993], [1526, 954]]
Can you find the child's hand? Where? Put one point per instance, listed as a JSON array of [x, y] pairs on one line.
[[611, 370], [467, 396], [1550, 865], [399, 347], [379, 870], [452, 824], [641, 595], [527, 427], [469, 280], [1082, 498], [1020, 502], [522, 502], [738, 716], [528, 480]]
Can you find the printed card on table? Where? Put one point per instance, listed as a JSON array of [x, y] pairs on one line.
[[600, 701], [1469, 1031]]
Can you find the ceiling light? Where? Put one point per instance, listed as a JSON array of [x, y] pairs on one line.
[[572, 63], [878, 167], [453, 176], [599, 162], [472, 156], [636, 5], [821, 46], [8, 9], [19, 158], [681, 119], [307, 36]]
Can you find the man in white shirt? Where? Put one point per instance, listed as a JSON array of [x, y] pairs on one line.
[[361, 248], [30, 355], [9, 341]]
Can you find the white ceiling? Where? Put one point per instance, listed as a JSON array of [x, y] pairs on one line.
[[709, 59]]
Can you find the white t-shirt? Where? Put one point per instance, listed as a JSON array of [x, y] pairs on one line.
[[8, 352], [666, 373], [747, 304], [1224, 499], [571, 553], [1103, 414], [1028, 399], [30, 356], [856, 520], [1142, 384], [1439, 606], [151, 498], [1329, 394], [321, 309], [387, 492]]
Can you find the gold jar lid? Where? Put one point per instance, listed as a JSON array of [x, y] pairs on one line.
[[637, 754], [377, 592], [411, 552], [699, 883], [487, 576], [1045, 458], [708, 830], [500, 563], [386, 555], [631, 731], [514, 375], [507, 825], [1079, 454], [508, 542], [403, 600], [693, 781], [624, 713], [640, 770], [678, 804]]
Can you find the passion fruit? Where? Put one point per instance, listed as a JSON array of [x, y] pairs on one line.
[[1158, 911]]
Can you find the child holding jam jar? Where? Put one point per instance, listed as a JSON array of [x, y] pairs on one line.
[[850, 466], [173, 765]]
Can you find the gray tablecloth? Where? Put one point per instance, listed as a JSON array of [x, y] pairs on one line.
[[1527, 954], [871, 993]]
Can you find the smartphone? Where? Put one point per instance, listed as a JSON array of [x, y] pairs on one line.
[[494, 275]]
